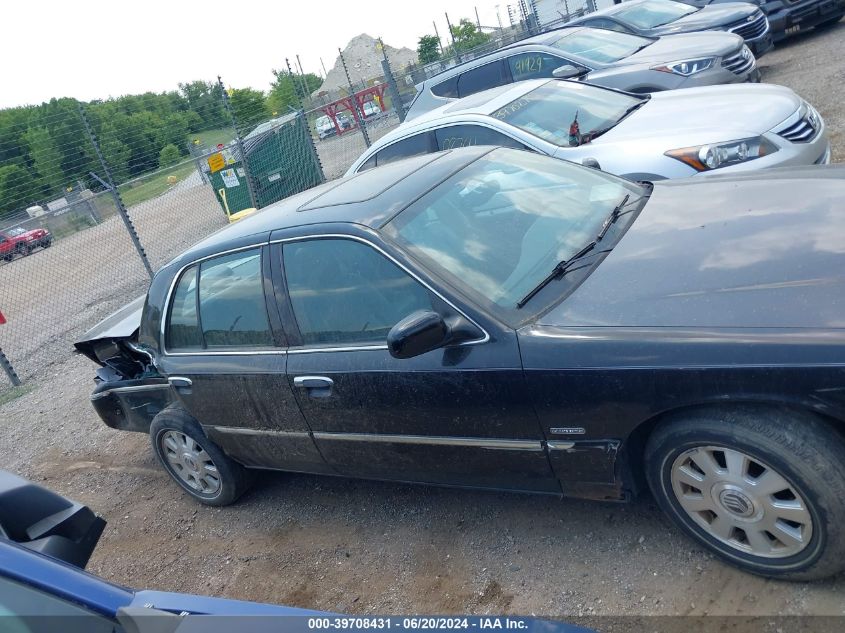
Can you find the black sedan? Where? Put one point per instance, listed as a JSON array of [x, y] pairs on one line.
[[499, 319]]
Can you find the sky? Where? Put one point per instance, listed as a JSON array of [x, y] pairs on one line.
[[95, 49]]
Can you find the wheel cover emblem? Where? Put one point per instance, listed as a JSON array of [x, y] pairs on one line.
[[736, 502]]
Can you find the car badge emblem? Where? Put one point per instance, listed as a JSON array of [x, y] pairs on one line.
[[750, 18], [567, 430], [745, 53]]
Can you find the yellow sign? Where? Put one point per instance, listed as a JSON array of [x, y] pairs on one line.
[[216, 162]]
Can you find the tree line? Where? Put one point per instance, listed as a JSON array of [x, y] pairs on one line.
[[44, 149], [465, 36]]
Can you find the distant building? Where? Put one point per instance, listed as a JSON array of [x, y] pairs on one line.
[[363, 61]]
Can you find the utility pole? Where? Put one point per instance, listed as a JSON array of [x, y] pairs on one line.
[[477, 19], [295, 91], [325, 72], [439, 41], [452, 33], [305, 90]]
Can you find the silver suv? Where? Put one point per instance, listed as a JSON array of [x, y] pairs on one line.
[[607, 58]]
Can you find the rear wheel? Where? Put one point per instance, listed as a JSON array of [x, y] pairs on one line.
[[194, 462], [762, 489]]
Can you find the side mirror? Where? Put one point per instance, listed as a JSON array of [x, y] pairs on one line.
[[425, 330], [590, 162], [568, 71]]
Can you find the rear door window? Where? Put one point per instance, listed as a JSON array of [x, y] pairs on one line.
[[467, 135], [233, 311], [534, 65], [219, 304], [484, 77]]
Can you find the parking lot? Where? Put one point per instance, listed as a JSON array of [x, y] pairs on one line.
[[358, 546]]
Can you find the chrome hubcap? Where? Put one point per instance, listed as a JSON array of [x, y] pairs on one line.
[[190, 463], [741, 501]]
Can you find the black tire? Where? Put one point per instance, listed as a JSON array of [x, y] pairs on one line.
[[234, 479], [46, 243], [802, 448], [829, 23]]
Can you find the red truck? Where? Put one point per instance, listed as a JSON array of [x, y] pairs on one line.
[[19, 241]]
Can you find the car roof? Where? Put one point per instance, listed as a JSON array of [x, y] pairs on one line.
[[369, 198], [611, 10], [485, 102], [543, 39]]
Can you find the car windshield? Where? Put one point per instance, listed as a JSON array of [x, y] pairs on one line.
[[499, 226], [652, 13], [15, 232], [568, 114], [604, 47]]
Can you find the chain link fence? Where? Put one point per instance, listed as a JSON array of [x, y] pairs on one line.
[[96, 197]]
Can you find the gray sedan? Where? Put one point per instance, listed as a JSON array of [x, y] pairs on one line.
[[663, 17], [671, 134], [606, 58]]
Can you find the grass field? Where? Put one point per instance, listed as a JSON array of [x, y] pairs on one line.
[[155, 184], [210, 138]]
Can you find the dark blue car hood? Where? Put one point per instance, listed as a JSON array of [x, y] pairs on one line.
[[766, 250]]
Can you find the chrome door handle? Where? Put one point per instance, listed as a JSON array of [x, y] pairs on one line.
[[180, 383], [313, 382]]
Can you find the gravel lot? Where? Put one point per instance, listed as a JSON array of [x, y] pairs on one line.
[[357, 546]]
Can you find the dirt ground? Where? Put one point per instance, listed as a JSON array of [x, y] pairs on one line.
[[370, 547]]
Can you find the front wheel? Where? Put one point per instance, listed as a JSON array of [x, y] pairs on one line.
[[194, 462], [764, 490]]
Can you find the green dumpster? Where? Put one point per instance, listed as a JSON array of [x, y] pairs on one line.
[[231, 188], [281, 161]]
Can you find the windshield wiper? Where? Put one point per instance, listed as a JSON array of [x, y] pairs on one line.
[[614, 215], [589, 136], [558, 271]]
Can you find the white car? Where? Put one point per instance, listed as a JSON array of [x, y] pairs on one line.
[[326, 127], [671, 134]]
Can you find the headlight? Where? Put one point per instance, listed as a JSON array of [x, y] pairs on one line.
[[707, 157], [687, 67]]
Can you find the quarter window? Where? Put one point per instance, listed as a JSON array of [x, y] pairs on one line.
[[371, 162], [343, 291], [232, 309], [467, 135], [183, 331], [448, 88], [534, 65], [481, 78]]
